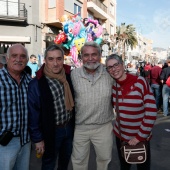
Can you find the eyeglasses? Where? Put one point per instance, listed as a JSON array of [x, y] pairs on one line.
[[109, 68]]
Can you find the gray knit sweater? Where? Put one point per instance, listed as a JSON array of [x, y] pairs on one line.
[[92, 99]]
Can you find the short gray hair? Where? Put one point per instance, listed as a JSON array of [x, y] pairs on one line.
[[9, 50], [91, 44], [114, 56], [52, 48]]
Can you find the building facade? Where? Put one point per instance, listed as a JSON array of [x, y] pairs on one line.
[[20, 23], [35, 23], [52, 11]]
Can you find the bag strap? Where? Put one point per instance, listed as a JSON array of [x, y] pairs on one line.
[[117, 111]]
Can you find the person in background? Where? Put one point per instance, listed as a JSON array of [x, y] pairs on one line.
[[147, 69], [13, 110], [166, 89], [137, 109], [165, 65], [94, 113], [33, 65], [51, 110], [156, 85], [141, 69], [131, 69], [2, 61]]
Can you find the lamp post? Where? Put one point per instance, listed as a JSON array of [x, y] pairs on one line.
[[106, 36], [105, 46]]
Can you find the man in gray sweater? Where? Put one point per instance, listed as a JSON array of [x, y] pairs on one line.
[[94, 113]]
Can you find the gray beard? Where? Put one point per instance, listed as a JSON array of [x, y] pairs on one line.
[[91, 67]]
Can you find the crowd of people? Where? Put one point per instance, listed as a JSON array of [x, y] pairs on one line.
[[64, 111], [156, 75]]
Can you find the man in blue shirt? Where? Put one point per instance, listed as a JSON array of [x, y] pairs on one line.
[[33, 65]]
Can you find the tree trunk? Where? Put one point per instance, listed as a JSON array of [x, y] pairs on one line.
[[123, 53]]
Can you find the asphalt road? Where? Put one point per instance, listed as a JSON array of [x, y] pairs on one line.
[[160, 150]]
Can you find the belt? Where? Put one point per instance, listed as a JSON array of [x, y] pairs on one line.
[[63, 125]]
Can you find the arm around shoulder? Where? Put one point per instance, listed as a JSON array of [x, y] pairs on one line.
[[34, 111]]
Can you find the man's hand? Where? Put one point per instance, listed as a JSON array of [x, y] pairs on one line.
[[40, 147]]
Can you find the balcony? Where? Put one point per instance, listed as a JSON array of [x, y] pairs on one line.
[[12, 11], [98, 9]]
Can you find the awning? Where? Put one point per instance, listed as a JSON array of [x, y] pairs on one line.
[[15, 39]]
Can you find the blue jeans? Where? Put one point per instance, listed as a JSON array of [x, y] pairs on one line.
[[156, 89], [63, 148], [165, 96], [14, 156]]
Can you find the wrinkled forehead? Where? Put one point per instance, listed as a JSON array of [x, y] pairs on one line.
[[17, 49], [54, 54], [89, 49]]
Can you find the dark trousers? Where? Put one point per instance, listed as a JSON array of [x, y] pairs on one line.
[[126, 166], [63, 148]]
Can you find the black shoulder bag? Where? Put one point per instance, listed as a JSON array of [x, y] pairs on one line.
[[6, 137]]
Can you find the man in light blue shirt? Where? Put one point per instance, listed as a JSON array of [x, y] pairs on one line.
[[33, 65]]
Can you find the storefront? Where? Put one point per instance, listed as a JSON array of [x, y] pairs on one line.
[[7, 41]]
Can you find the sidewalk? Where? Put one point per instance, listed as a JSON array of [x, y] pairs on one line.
[[160, 150]]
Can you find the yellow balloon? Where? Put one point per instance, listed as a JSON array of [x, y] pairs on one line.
[[79, 43], [65, 18]]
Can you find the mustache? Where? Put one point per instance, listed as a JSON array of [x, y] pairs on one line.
[[20, 63]]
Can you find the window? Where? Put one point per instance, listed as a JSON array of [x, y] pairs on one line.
[[90, 16], [51, 3], [9, 8], [77, 9], [112, 10], [111, 30]]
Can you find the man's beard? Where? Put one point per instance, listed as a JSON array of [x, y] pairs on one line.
[[91, 66]]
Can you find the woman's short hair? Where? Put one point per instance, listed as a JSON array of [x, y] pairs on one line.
[[114, 56], [52, 48]]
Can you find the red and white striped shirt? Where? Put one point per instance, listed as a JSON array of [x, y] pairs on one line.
[[137, 108]]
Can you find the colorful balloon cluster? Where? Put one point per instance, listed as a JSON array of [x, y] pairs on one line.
[[76, 31]]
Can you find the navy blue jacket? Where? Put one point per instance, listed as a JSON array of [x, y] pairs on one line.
[[41, 110], [165, 74]]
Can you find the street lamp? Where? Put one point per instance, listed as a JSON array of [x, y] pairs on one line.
[[105, 45], [106, 36]]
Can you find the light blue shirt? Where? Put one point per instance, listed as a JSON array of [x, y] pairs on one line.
[[34, 68]]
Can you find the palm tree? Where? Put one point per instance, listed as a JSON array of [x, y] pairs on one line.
[[125, 37]]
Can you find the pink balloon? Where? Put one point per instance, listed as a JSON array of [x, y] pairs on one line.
[[99, 30]]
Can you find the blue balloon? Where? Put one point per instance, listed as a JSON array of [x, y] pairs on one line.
[[98, 40]]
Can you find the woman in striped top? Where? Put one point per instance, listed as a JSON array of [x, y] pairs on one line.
[[137, 109]]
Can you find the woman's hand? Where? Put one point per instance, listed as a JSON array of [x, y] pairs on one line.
[[133, 141]]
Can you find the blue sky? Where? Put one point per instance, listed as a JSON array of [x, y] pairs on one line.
[[150, 17]]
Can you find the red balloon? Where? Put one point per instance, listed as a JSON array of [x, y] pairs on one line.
[[60, 38]]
